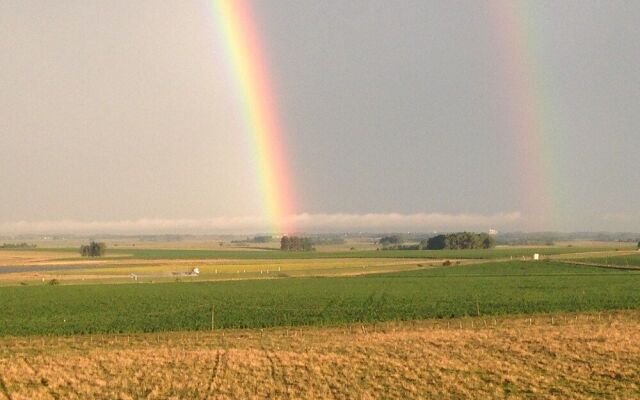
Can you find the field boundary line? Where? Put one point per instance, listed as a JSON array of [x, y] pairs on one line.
[[212, 387], [606, 266]]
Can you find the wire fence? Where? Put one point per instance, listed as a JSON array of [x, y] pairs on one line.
[[599, 322], [220, 317]]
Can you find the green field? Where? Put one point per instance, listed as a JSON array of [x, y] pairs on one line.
[[153, 254], [630, 260], [191, 254], [494, 288]]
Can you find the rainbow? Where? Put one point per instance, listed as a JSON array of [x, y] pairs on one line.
[[249, 68], [528, 108]]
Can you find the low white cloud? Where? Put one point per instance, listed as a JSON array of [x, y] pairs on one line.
[[373, 222], [401, 222]]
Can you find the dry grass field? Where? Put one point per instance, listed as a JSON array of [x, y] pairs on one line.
[[578, 356], [33, 266], [117, 271], [26, 257]]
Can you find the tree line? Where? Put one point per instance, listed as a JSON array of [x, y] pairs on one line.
[[22, 245], [295, 243], [459, 240], [93, 249]]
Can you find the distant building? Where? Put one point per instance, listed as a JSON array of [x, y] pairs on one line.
[[493, 232]]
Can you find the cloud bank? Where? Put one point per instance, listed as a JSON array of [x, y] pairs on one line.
[[311, 223]]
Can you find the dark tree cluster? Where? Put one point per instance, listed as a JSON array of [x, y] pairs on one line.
[[93, 249], [390, 241], [295, 243], [460, 240], [22, 245]]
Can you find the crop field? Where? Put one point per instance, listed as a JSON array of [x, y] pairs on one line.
[[209, 267], [340, 324], [122, 265], [155, 271], [253, 268], [153, 254], [577, 356], [201, 254], [631, 260], [445, 292], [33, 256]]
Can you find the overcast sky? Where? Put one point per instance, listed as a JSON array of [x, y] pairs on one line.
[[121, 116]]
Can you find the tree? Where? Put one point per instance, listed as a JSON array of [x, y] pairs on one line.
[[285, 243], [460, 240], [435, 243], [488, 241], [295, 243], [392, 240], [93, 249]]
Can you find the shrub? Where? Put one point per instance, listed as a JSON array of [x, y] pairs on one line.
[[93, 249], [295, 243]]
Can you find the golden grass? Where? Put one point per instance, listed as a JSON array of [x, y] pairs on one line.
[[589, 357], [26, 257], [120, 270]]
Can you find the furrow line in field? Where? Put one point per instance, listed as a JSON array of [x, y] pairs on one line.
[[272, 370], [5, 390], [44, 382], [331, 385], [215, 373]]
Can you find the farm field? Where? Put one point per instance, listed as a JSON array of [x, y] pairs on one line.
[[186, 254], [578, 356], [33, 256], [37, 266], [246, 254], [153, 254], [210, 270], [514, 287], [631, 260]]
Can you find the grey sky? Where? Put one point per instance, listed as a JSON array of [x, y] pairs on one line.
[[122, 110]]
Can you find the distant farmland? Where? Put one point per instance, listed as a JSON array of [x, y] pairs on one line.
[[631, 260], [490, 289], [194, 254], [151, 254]]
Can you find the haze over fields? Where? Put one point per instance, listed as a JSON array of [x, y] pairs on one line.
[[407, 115]]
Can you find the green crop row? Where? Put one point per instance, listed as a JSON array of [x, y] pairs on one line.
[[491, 289]]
